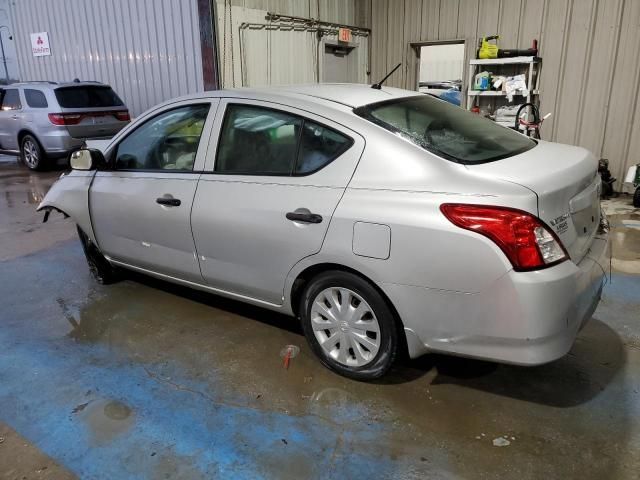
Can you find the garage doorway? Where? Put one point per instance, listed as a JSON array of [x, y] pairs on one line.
[[441, 69]]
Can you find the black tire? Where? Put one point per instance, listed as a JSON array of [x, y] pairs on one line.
[[389, 343], [636, 198], [32, 154], [101, 270]]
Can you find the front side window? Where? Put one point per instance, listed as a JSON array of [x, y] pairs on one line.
[[262, 141], [35, 98], [168, 141], [11, 100], [446, 130]]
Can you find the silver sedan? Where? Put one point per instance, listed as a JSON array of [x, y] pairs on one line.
[[384, 220]]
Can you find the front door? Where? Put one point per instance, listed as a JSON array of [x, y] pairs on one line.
[[268, 200], [10, 118], [140, 208]]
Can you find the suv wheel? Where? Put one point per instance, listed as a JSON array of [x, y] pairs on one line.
[[349, 325], [101, 270], [32, 153], [636, 198]]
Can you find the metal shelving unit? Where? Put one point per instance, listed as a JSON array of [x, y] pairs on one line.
[[530, 66]]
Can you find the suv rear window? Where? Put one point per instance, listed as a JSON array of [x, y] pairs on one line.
[[87, 97], [446, 130]]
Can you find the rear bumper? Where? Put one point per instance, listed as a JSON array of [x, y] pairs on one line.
[[59, 143], [524, 318]]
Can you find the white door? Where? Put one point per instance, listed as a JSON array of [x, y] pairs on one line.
[[140, 208], [279, 175]]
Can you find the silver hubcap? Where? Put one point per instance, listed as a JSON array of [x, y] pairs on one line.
[[345, 326], [30, 153]]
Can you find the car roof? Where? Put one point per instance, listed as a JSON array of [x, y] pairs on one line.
[[54, 85], [351, 95]]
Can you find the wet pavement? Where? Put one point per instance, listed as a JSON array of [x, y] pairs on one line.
[[144, 379]]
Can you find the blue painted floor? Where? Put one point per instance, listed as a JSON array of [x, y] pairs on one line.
[[142, 380], [103, 415]]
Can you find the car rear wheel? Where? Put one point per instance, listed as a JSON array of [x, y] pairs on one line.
[[636, 198], [32, 153], [349, 325], [101, 270]]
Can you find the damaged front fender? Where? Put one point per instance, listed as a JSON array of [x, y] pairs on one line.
[[70, 196]]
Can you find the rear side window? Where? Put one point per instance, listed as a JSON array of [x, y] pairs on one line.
[[11, 100], [261, 141], [87, 97], [257, 141], [35, 98]]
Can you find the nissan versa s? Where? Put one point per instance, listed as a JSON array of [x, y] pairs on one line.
[[46, 120], [382, 219]]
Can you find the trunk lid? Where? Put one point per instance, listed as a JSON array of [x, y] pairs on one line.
[[565, 180], [95, 123]]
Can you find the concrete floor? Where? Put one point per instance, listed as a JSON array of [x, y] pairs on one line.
[[144, 379]]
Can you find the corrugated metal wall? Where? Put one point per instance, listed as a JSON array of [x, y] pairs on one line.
[[591, 62], [263, 53], [147, 50]]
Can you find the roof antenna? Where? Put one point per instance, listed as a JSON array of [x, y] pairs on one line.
[[378, 85]]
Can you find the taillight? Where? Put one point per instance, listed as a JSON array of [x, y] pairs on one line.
[[123, 116], [65, 118], [525, 239]]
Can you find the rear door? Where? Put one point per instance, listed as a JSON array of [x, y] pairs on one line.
[[267, 202], [140, 209], [90, 111], [10, 118]]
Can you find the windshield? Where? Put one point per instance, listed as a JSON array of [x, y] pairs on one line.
[[446, 130], [87, 97]]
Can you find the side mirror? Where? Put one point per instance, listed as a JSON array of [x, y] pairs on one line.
[[86, 159]]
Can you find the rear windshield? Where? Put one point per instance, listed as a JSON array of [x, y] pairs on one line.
[[87, 97], [446, 130]]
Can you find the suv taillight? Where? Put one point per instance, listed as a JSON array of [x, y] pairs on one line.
[[526, 241], [65, 118], [123, 116]]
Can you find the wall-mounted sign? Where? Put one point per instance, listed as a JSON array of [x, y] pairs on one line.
[[40, 44], [344, 35]]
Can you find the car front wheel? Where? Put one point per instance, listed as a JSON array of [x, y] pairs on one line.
[[32, 153], [101, 270], [349, 325]]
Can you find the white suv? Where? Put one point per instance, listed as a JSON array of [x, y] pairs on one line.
[[41, 120]]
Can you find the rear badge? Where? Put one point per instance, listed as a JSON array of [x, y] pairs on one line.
[[560, 223]]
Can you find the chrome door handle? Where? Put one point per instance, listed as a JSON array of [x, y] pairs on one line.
[[169, 201], [304, 217]]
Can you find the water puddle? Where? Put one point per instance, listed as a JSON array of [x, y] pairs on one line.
[[107, 419]]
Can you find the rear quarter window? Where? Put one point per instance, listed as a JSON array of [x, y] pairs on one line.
[[87, 97], [35, 98]]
